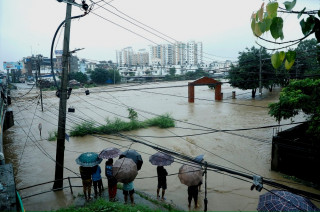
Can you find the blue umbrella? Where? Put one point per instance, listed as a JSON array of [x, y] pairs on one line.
[[199, 158], [88, 159], [277, 200]]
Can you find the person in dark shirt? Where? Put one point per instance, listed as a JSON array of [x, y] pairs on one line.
[[162, 181], [112, 181], [85, 173], [193, 193]]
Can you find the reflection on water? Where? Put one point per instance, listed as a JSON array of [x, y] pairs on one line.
[[33, 155]]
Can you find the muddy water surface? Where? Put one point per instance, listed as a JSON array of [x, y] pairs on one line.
[[247, 151]]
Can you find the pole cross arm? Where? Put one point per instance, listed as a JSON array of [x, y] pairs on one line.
[[71, 2]]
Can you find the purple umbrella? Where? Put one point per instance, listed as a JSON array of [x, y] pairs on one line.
[[277, 200], [111, 152], [161, 159]]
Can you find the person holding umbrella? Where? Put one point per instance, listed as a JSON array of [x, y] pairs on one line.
[[85, 173], [161, 159], [191, 175], [110, 153], [193, 193], [162, 181], [112, 181], [86, 161]]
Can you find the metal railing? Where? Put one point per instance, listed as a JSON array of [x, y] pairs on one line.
[[43, 192]]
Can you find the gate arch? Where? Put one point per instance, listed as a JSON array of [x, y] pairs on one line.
[[204, 81]]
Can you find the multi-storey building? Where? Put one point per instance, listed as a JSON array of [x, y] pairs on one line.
[[140, 58], [177, 54], [125, 57]]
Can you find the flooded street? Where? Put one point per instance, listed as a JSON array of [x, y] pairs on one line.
[[249, 151]]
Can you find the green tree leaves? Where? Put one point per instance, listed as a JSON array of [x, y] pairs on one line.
[[307, 26], [264, 21], [278, 57], [272, 8], [289, 5], [276, 28]]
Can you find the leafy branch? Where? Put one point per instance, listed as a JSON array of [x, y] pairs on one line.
[[266, 19]]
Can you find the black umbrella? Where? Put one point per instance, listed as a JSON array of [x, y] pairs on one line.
[[134, 155]]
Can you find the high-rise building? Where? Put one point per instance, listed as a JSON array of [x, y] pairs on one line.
[[125, 57], [177, 54]]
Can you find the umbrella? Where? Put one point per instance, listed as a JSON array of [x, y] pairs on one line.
[[199, 158], [125, 170], [190, 175], [88, 159], [161, 159], [111, 152], [277, 200], [134, 155]]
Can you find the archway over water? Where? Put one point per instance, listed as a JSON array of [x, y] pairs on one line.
[[204, 81]]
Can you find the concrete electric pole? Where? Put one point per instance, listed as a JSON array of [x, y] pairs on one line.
[[58, 184], [260, 74]]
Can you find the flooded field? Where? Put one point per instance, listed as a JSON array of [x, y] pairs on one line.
[[247, 151]]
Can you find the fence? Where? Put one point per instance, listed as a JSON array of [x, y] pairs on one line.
[[43, 192]]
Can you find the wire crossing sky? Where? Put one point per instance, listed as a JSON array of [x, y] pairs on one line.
[[222, 26]]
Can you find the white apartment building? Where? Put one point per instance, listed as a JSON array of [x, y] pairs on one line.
[[179, 53], [125, 57]]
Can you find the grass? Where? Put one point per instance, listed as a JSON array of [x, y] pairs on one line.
[[104, 205], [156, 202], [53, 136], [52, 88], [117, 125]]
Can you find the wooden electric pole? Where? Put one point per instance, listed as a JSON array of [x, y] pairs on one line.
[[58, 184]]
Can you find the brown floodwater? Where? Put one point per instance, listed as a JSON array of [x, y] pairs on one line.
[[33, 155]]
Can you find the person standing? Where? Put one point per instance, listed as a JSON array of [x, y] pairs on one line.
[[128, 188], [85, 173], [193, 193], [97, 180], [112, 181], [162, 181]]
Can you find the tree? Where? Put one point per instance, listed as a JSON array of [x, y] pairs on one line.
[[101, 76], [172, 71], [79, 76], [306, 59], [300, 95], [245, 75]]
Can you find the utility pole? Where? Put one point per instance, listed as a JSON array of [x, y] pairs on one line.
[[40, 81], [260, 74], [58, 184]]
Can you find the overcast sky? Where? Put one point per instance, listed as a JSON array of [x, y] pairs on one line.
[[27, 26]]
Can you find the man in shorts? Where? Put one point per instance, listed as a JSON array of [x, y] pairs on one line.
[[128, 188], [85, 173], [162, 181]]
